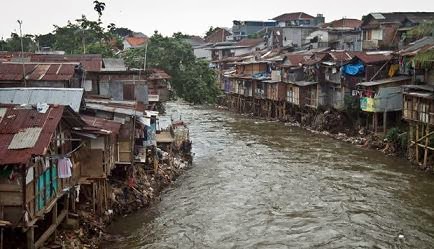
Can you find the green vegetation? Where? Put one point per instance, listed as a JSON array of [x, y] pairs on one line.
[[425, 59], [421, 30], [192, 79]]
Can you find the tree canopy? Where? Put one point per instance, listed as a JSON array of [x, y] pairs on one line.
[[192, 79]]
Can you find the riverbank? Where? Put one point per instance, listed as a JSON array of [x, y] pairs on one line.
[[335, 124], [84, 229]]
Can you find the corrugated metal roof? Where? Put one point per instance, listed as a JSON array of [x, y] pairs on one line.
[[421, 45], [113, 64], [90, 62], [164, 137], [373, 57], [32, 96], [37, 72], [120, 110], [304, 83], [17, 119], [102, 123], [385, 81], [25, 138]]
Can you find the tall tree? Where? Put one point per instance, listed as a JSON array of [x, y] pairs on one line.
[[99, 7], [210, 31]]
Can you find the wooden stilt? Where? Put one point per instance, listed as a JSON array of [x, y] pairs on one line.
[[93, 197], [385, 122], [54, 217], [30, 236], [425, 156], [417, 142]]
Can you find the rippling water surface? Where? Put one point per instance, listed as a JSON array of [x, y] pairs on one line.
[[257, 184]]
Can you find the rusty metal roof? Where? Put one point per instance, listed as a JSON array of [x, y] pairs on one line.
[[37, 72], [419, 46], [90, 62], [14, 72], [373, 57], [102, 123], [19, 119]]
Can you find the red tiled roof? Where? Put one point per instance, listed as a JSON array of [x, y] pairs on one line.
[[136, 41], [102, 123], [250, 42], [344, 23], [292, 16], [17, 119], [219, 35]]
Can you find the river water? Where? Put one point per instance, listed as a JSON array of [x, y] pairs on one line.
[[258, 184]]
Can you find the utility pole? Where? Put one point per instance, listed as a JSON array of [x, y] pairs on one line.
[[20, 22], [146, 56]]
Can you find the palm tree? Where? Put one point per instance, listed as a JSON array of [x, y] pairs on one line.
[[99, 7]]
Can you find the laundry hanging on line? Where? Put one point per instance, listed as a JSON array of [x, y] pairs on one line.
[[64, 168]]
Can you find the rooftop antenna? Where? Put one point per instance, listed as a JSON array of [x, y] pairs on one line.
[[20, 22]]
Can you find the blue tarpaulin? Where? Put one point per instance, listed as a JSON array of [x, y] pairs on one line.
[[354, 69]]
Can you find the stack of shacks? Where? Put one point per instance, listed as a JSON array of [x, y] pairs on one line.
[[66, 123], [418, 107], [383, 88]]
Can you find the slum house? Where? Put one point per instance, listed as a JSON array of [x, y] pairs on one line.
[[418, 99], [298, 19], [227, 67], [418, 111], [92, 159], [343, 34], [422, 73], [222, 50], [368, 66], [243, 29], [385, 30], [38, 171], [373, 75], [133, 133], [337, 92], [276, 93], [302, 86], [29, 74], [246, 88], [98, 160], [158, 85]]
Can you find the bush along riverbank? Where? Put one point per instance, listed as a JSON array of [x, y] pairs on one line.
[[339, 125], [132, 188]]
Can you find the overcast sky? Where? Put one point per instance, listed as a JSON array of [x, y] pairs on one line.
[[187, 16]]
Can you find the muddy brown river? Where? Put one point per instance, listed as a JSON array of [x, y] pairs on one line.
[[258, 184]]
